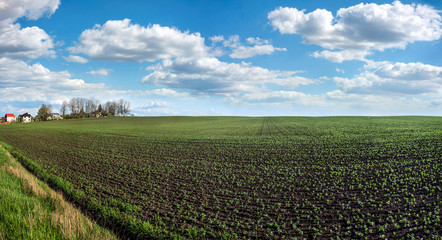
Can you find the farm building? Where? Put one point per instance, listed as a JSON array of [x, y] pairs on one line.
[[25, 118], [10, 117], [54, 116]]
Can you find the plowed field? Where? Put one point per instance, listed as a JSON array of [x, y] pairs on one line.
[[265, 177]]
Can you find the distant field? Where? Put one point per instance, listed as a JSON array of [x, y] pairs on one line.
[[241, 177]]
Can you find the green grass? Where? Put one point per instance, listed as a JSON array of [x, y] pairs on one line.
[[242, 177], [29, 209]]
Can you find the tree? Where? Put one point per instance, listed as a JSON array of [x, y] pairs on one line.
[[43, 112], [120, 107], [73, 107], [63, 108], [82, 107], [110, 107], [126, 109]]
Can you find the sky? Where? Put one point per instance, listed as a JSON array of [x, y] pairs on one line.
[[224, 57]]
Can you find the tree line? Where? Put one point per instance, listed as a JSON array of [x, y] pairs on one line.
[[83, 108]]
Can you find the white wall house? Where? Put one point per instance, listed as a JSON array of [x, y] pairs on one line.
[[10, 117], [25, 118], [56, 116]]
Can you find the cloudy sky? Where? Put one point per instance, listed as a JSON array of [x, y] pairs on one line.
[[219, 57]]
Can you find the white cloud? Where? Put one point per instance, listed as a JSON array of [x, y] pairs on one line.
[[268, 96], [337, 102], [375, 104], [155, 104], [165, 92], [75, 58], [232, 41], [14, 9], [120, 40], [394, 78], [211, 76], [340, 70], [341, 56], [217, 38], [258, 47], [359, 29], [29, 42], [22, 82], [247, 52], [8, 108], [101, 71], [257, 41], [155, 107], [157, 111]]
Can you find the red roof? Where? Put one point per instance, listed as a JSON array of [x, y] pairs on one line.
[[10, 115]]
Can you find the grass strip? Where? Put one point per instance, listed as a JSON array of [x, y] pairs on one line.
[[29, 209]]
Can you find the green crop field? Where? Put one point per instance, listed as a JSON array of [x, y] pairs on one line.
[[243, 177]]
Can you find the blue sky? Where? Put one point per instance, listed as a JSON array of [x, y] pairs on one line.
[[310, 58]]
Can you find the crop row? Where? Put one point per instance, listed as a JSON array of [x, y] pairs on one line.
[[253, 177]]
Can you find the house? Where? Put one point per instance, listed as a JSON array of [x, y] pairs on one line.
[[25, 118], [54, 116], [57, 116], [10, 117]]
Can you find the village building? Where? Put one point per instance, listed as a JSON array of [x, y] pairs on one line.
[[25, 118], [10, 117], [54, 116]]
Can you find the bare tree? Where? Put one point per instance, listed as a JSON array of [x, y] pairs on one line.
[[82, 107], [126, 108], [63, 108], [72, 106], [120, 107], [81, 102], [90, 106]]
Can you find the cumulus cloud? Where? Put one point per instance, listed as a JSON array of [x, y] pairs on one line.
[[338, 102], [165, 92], [212, 76], [360, 29], [101, 71], [154, 104], [20, 81], [341, 56], [375, 104], [269, 96], [217, 38], [251, 51], [29, 42], [156, 111], [14, 9], [75, 58], [232, 41], [394, 78], [120, 40], [340, 70], [256, 46]]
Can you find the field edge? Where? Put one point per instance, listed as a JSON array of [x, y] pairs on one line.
[[31, 209], [125, 226]]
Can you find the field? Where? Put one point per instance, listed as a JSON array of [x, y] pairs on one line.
[[29, 209], [242, 177]]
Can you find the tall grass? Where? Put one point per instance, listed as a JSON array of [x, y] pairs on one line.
[[29, 209]]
